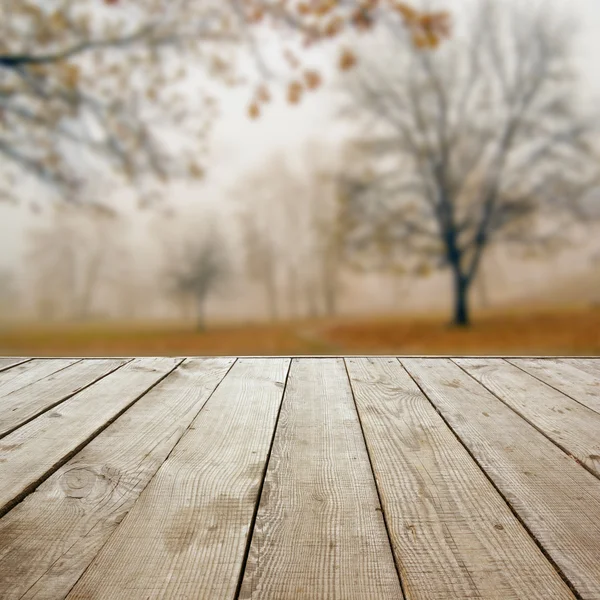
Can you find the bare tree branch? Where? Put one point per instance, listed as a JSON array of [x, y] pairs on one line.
[[483, 134]]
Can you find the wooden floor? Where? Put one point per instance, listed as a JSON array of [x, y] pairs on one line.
[[305, 478]]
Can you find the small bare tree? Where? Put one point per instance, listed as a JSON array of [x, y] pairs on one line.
[[201, 271], [290, 234], [8, 295], [477, 142], [70, 259], [261, 260]]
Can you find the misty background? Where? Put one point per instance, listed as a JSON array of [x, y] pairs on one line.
[[319, 210]]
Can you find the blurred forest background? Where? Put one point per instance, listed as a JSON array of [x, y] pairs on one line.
[[197, 177]]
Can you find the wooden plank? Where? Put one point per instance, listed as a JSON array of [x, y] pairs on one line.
[[28, 373], [26, 403], [186, 535], [33, 452], [49, 539], [574, 427], [570, 380], [589, 365], [443, 515], [319, 530], [557, 499], [7, 363]]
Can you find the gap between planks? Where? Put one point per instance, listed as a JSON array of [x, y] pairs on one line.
[[187, 533], [31, 456], [458, 527], [516, 388], [107, 477], [8, 363], [548, 497], [31, 401]]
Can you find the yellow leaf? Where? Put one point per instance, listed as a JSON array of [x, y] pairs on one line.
[[313, 79], [295, 90], [347, 60], [254, 111]]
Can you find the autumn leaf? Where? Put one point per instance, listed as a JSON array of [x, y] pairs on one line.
[[195, 170], [408, 13], [333, 27], [347, 60], [428, 29], [71, 75], [254, 111], [423, 270], [291, 59], [257, 15], [295, 90], [263, 94], [362, 19], [58, 21], [313, 79]]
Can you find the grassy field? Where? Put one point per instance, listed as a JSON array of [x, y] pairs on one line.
[[556, 332]]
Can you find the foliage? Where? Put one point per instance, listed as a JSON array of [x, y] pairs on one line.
[[479, 143], [87, 79], [72, 259]]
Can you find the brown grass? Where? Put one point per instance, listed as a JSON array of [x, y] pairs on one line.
[[565, 332]]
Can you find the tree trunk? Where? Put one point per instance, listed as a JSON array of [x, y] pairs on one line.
[[330, 303], [200, 321], [271, 294], [330, 289], [461, 301]]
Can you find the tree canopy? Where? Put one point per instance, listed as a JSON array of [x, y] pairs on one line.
[[99, 82]]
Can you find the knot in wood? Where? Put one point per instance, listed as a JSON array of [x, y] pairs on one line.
[[81, 482]]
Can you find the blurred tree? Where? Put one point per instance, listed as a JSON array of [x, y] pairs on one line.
[[477, 143], [71, 259], [261, 260], [288, 221], [87, 80], [83, 80], [269, 200], [201, 270], [8, 296], [326, 236]]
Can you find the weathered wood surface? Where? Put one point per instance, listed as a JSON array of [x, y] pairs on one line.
[[443, 514], [7, 363], [577, 383], [186, 535], [578, 435], [327, 478], [66, 521], [557, 499], [319, 530], [22, 405], [25, 374], [589, 365], [32, 452]]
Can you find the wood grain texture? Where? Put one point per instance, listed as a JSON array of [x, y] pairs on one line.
[[574, 427], [25, 374], [66, 521], [589, 365], [7, 363], [576, 383], [444, 516], [187, 534], [557, 499], [319, 531], [24, 404], [34, 451]]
